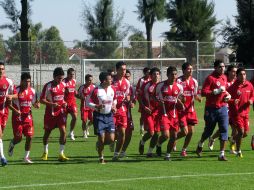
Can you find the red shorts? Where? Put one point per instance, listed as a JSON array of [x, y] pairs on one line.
[[72, 108], [86, 115], [152, 122], [169, 123], [242, 122], [25, 127], [120, 119], [51, 122], [4, 118], [187, 118]]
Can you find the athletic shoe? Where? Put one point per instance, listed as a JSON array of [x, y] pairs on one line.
[[183, 153], [252, 142], [4, 161], [102, 161], [85, 135], [44, 156], [167, 158], [72, 137], [211, 143], [62, 158], [199, 151], [222, 158], [158, 150], [28, 160], [10, 149], [149, 155], [141, 148], [112, 147], [123, 155], [239, 154]]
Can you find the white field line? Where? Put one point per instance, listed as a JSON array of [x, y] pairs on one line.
[[122, 180]]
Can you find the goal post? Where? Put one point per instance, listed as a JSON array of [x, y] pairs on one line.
[[85, 61]]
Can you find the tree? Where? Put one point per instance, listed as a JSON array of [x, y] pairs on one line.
[[190, 20], [14, 15], [2, 48], [53, 49], [150, 11], [101, 24], [241, 36]]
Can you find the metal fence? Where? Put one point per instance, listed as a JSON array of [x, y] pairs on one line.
[[44, 56]]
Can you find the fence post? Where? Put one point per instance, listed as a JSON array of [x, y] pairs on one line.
[[197, 66]]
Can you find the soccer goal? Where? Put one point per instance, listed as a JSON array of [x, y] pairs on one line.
[[95, 66]]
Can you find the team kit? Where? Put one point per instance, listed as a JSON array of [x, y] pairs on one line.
[[167, 111]]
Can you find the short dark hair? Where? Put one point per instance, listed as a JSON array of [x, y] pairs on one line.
[[103, 76], [230, 67], [120, 64], [128, 71], [70, 70], [88, 76], [2, 63], [154, 69], [185, 65], [58, 72], [25, 76], [217, 62], [145, 70], [239, 70], [171, 69]]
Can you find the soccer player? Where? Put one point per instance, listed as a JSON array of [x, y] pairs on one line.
[[70, 99], [141, 81], [103, 100], [149, 107], [7, 93], [216, 110], [86, 112], [130, 123], [252, 138], [231, 77], [122, 88], [169, 94], [188, 117], [55, 113], [241, 98], [22, 120]]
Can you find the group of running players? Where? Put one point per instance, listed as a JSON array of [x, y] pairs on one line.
[[166, 107]]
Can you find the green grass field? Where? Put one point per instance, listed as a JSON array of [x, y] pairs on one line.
[[135, 172]]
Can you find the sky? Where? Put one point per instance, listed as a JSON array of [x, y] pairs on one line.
[[66, 16]]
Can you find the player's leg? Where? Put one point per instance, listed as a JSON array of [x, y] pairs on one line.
[[187, 139], [74, 116], [120, 140], [2, 157], [62, 141], [128, 136], [17, 136]]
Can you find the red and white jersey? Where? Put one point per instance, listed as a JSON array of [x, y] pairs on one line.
[[140, 83], [25, 100], [101, 96], [54, 94], [6, 88], [83, 92], [122, 89], [169, 94], [243, 92], [148, 96], [70, 91], [229, 83], [190, 90]]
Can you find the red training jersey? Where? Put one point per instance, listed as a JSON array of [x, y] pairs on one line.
[[84, 92], [70, 91]]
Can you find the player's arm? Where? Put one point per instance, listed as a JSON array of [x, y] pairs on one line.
[[43, 99], [16, 111]]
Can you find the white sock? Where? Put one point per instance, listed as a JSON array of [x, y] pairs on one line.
[[71, 133], [1, 149], [27, 154], [150, 150], [101, 158], [46, 148], [184, 149], [200, 144], [222, 153], [116, 154], [239, 151], [167, 155], [61, 149]]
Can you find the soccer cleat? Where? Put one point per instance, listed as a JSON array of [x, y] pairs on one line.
[[141, 148], [167, 158], [252, 142], [44, 156], [199, 151], [28, 160], [62, 158], [10, 149], [102, 161], [222, 158], [112, 147], [211, 143], [4, 161], [239, 155], [72, 137], [183, 153], [158, 151]]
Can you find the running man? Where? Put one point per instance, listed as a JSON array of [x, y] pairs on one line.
[[22, 119]]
